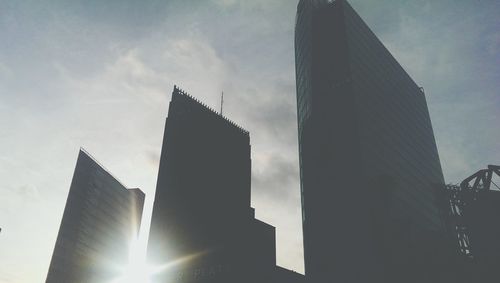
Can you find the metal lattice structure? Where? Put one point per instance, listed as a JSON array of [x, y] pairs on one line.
[[459, 197], [481, 180], [456, 223]]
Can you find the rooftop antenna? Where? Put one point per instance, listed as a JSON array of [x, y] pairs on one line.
[[221, 102]]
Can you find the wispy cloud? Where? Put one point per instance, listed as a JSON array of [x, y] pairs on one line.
[[100, 75]]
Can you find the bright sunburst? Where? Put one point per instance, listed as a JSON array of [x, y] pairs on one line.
[[135, 273], [137, 269]]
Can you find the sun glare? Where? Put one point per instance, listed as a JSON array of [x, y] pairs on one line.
[[137, 270], [138, 273]]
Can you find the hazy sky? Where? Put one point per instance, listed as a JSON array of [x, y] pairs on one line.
[[99, 74]]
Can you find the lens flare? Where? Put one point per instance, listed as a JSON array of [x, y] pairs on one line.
[[137, 269]]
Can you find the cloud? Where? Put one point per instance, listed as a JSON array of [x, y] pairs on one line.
[[29, 191], [274, 175], [225, 3], [270, 108], [494, 44], [99, 75], [5, 71], [153, 157]]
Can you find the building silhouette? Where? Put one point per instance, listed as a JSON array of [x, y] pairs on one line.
[[369, 166], [100, 220], [472, 210], [203, 228]]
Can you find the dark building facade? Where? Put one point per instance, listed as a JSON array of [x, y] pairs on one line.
[[203, 228], [484, 233], [472, 210], [100, 220], [369, 165]]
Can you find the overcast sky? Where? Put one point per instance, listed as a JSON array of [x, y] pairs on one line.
[[99, 74]]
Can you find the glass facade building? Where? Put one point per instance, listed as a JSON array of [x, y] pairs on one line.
[[203, 228], [100, 220], [369, 165]]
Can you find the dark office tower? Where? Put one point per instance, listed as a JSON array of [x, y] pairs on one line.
[[203, 228], [368, 160], [101, 218]]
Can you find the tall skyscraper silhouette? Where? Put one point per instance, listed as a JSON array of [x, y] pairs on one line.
[[101, 218], [369, 165], [203, 228]]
